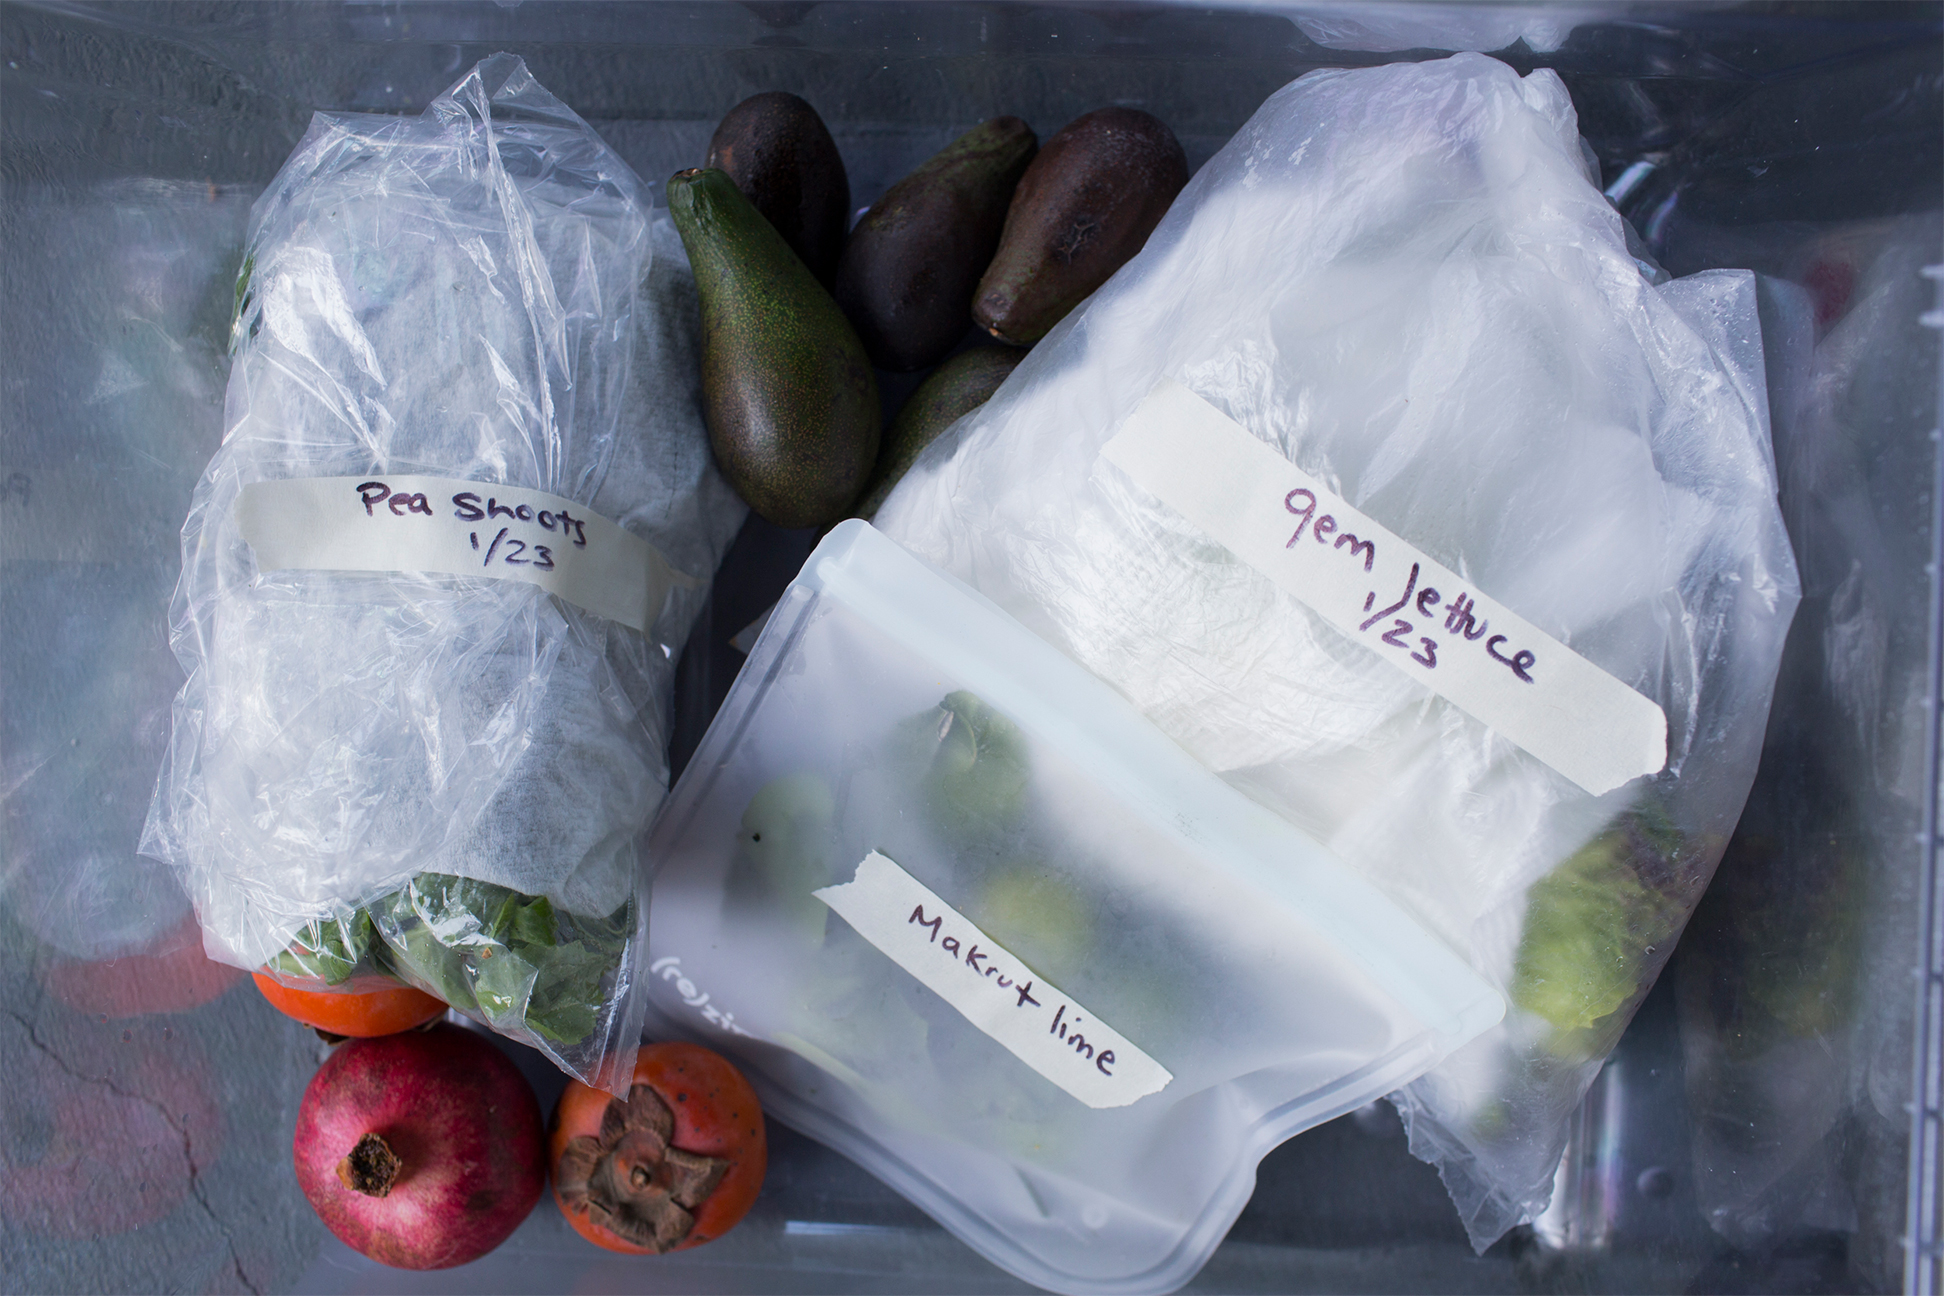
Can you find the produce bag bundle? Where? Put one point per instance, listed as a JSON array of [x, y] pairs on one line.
[[436, 579], [1395, 487]]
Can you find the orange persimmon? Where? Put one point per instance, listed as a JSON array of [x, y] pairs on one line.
[[359, 1014], [675, 1164]]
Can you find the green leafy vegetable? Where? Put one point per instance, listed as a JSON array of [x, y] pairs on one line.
[[331, 950], [509, 958], [1595, 924]]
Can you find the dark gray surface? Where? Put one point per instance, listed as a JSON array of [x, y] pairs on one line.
[[145, 1121]]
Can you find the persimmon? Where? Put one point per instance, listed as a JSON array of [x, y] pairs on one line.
[[673, 1165], [384, 1010]]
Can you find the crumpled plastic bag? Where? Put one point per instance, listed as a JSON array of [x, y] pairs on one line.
[[1405, 280], [432, 777]]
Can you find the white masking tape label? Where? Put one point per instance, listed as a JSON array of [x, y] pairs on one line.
[[994, 991], [1373, 586], [462, 528]]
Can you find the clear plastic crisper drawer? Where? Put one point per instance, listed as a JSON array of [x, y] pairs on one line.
[[967, 917]]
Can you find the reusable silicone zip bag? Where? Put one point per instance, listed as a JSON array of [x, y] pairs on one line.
[[961, 913], [435, 580]]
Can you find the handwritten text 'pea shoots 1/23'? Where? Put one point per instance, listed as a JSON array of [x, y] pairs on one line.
[[467, 507], [1458, 614], [448, 525]]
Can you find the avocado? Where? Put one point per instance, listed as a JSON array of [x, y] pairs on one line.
[[780, 154], [1084, 207], [953, 390], [907, 275], [787, 391]]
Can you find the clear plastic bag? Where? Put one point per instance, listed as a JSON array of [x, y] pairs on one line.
[[420, 773], [963, 915], [1404, 281], [1794, 978]]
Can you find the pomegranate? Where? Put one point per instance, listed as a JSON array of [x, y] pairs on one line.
[[422, 1150]]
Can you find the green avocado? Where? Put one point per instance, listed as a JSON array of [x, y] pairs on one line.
[[907, 274], [1085, 206], [952, 391], [787, 391]]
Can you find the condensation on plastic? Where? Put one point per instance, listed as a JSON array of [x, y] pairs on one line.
[[102, 452], [1793, 984], [888, 708], [1405, 279], [474, 293]]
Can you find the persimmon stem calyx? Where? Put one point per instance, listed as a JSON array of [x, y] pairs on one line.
[[630, 1181]]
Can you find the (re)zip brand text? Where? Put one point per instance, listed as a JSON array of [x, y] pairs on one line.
[[669, 968], [1378, 589], [1041, 1026]]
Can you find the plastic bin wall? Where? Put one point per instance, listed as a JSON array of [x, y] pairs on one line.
[[1770, 1122]]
